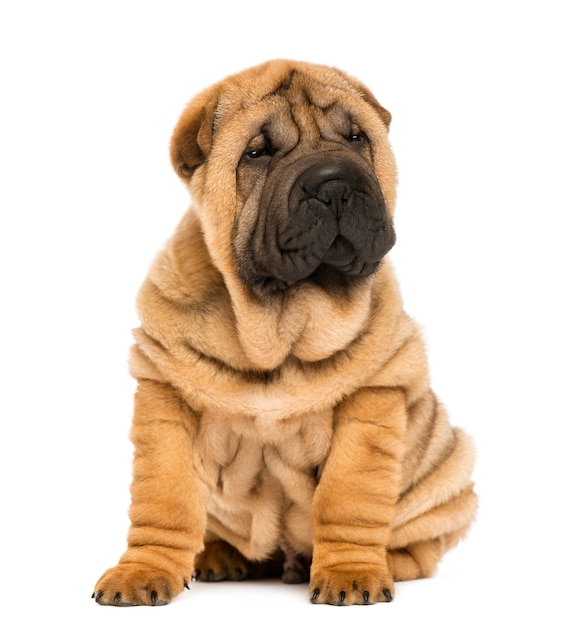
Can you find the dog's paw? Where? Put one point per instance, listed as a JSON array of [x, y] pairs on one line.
[[132, 585], [343, 587], [220, 561]]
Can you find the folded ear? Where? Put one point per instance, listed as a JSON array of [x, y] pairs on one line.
[[382, 112], [193, 134], [370, 98]]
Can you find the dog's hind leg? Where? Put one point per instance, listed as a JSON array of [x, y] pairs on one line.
[[220, 561], [296, 567], [419, 557]]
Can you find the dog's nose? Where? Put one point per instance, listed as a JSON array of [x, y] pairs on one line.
[[335, 193], [329, 183]]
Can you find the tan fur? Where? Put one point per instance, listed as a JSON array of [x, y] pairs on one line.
[[305, 422]]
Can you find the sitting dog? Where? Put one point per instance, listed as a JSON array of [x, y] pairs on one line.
[[283, 419]]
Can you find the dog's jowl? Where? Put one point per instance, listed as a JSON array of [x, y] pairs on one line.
[[284, 424]]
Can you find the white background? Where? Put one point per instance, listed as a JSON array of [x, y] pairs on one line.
[[481, 98]]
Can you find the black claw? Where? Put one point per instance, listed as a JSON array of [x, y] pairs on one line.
[[93, 595], [210, 575], [315, 595], [117, 597], [388, 595], [99, 595], [185, 584], [154, 597], [366, 597], [239, 573], [341, 597], [196, 575]]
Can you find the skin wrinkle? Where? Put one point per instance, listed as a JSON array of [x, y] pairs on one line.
[[424, 438], [437, 462]]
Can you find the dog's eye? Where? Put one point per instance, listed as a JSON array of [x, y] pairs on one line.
[[259, 146], [358, 137], [256, 154]]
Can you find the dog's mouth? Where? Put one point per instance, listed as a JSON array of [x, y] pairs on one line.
[[327, 223]]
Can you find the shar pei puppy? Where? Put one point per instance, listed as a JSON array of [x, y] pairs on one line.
[[284, 424]]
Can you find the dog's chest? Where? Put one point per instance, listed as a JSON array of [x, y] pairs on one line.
[[237, 450], [262, 475]]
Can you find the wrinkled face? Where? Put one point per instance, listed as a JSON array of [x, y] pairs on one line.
[[309, 158]]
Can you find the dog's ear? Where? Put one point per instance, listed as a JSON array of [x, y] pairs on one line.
[[382, 112], [193, 134], [369, 97]]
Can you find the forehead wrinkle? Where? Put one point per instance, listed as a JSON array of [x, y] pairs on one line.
[[306, 122], [298, 116], [309, 100], [308, 87], [316, 107]]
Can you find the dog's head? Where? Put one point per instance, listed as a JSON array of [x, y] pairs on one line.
[[292, 175]]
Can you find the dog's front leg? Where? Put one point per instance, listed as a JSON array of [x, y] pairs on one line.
[[168, 508], [354, 502]]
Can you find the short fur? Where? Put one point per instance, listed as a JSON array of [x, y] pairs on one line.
[[275, 429]]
